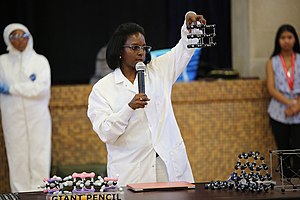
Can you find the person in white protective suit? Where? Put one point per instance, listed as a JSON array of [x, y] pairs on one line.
[[25, 82]]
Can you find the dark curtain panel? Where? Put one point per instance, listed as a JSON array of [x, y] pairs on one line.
[[70, 33]]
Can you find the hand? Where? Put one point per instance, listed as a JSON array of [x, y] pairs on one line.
[[293, 108], [139, 101], [292, 102], [193, 18], [4, 89]]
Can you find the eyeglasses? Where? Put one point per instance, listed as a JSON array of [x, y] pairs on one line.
[[138, 48], [18, 36]]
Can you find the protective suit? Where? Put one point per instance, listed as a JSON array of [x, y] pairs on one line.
[[26, 119]]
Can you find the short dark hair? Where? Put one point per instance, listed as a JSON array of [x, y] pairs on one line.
[[117, 40], [281, 29]]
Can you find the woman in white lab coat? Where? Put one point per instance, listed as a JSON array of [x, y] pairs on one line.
[[25, 82], [143, 140]]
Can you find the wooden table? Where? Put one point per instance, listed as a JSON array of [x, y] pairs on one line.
[[192, 194]]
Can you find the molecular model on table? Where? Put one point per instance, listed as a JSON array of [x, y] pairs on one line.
[[80, 183], [251, 173]]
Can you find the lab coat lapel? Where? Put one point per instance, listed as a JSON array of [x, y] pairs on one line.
[[121, 79]]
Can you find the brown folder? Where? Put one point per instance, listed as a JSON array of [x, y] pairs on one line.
[[138, 187]]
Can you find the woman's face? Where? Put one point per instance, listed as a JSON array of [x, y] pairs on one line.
[[19, 39], [131, 53], [286, 41]]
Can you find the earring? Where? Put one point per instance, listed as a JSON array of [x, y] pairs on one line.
[[120, 57]]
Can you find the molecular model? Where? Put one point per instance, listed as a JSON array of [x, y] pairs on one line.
[[204, 35], [80, 183], [251, 173]]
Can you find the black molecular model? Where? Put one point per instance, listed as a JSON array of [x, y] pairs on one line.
[[251, 173]]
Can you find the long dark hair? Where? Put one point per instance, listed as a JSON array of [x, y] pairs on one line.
[[281, 29], [118, 39]]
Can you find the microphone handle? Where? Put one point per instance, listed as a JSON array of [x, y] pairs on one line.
[[141, 81]]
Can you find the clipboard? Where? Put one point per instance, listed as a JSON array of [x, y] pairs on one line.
[[139, 187]]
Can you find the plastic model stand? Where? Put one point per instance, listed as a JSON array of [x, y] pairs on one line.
[[280, 164]]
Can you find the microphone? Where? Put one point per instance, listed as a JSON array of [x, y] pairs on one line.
[[140, 68]]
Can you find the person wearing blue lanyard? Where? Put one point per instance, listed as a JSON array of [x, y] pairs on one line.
[[283, 83]]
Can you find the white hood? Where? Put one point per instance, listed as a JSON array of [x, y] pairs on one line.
[[8, 30]]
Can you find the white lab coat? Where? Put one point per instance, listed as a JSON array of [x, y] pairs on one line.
[[25, 114], [133, 137]]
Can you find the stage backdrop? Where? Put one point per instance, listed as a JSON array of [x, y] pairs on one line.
[[70, 33]]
